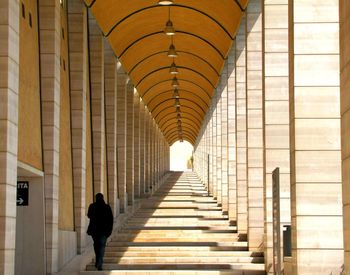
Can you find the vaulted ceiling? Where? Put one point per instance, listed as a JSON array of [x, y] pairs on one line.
[[204, 33]]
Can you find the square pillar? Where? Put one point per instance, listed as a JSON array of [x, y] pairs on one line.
[[241, 129], [137, 145], [218, 112], [9, 89], [78, 64], [255, 131], [231, 101], [121, 136], [316, 183], [276, 108], [142, 148], [224, 140], [50, 41], [96, 47], [130, 189], [110, 78]]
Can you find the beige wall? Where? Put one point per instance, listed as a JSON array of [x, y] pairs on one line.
[[66, 215], [29, 120]]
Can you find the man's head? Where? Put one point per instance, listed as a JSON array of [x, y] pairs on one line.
[[99, 197]]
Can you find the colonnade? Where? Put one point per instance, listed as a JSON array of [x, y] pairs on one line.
[[95, 134], [281, 79]]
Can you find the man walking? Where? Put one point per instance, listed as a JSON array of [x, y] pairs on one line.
[[100, 227]]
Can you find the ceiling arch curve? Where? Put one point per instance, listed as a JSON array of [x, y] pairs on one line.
[[184, 114], [182, 93], [181, 53], [165, 84], [204, 33]]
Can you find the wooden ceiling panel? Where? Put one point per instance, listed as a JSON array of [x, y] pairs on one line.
[[185, 121], [184, 103], [189, 132], [184, 60], [184, 115], [182, 93], [163, 75], [187, 85], [204, 33], [171, 110]]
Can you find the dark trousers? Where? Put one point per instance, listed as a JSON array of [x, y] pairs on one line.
[[99, 247]]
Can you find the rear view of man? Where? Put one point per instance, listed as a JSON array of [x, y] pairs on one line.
[[100, 227]]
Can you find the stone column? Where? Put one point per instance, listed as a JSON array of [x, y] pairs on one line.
[[142, 148], [9, 87], [345, 121], [214, 146], [96, 48], [218, 144], [211, 151], [78, 64], [255, 140], [147, 151], [130, 142], [276, 101], [241, 128], [224, 141], [110, 65], [121, 135], [137, 145], [316, 188], [231, 99], [50, 39], [152, 154]]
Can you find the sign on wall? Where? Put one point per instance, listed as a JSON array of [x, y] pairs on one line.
[[22, 193]]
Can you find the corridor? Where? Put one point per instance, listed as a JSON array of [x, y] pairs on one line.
[[95, 94], [180, 228]]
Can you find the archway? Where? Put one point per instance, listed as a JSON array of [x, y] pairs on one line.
[[180, 156]]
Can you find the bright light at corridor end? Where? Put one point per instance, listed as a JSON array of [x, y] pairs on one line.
[[180, 156]]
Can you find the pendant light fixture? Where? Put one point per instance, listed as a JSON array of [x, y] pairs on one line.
[[172, 52], [175, 82], [176, 93], [178, 109], [177, 102], [169, 28], [178, 116], [165, 2], [173, 68]]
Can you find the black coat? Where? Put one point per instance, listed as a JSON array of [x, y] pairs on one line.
[[101, 219]]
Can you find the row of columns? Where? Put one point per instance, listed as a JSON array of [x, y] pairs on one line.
[[277, 105], [129, 153]]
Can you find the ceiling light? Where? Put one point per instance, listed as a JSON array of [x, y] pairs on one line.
[[165, 2], [173, 69], [178, 116], [177, 102], [176, 93], [175, 82], [179, 122], [172, 52], [178, 110], [169, 28]]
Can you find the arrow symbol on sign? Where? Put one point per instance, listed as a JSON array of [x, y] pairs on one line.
[[20, 201]]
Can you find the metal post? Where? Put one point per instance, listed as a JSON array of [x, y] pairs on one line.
[[276, 222]]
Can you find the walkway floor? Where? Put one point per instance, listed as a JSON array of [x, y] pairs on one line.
[[179, 230]]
